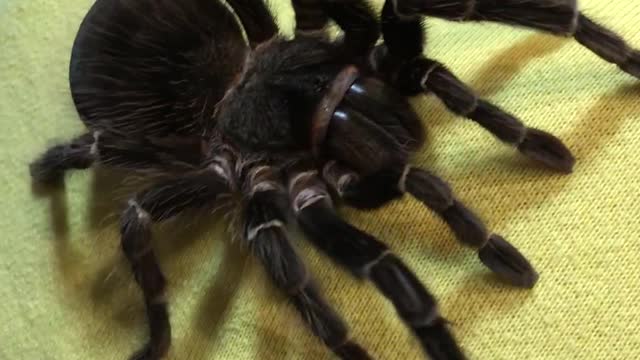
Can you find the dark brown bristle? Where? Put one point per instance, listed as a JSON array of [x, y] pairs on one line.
[[507, 262], [632, 64], [547, 149]]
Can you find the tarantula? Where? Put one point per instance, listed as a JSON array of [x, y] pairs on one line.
[[210, 95]]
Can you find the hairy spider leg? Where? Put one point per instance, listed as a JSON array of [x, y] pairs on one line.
[[168, 155], [368, 258], [265, 218], [158, 203], [494, 251], [402, 63], [559, 17], [50, 167]]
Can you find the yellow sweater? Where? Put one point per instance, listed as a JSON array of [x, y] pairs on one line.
[[66, 293]]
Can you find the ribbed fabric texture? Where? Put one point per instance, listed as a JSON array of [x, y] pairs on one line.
[[66, 292]]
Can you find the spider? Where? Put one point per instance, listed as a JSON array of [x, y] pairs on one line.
[[210, 96]]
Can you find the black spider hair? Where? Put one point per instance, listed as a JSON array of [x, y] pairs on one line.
[[211, 97]]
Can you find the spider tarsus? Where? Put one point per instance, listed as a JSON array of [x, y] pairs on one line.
[[158, 315], [534, 143], [507, 262], [460, 99], [50, 167], [632, 64], [352, 351], [438, 341], [494, 251], [547, 149], [43, 174]]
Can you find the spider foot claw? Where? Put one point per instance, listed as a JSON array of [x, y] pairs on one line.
[[547, 149], [507, 262]]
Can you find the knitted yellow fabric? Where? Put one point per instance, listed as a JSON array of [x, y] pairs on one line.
[[66, 293]]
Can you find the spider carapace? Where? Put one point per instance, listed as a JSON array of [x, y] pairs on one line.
[[211, 97]]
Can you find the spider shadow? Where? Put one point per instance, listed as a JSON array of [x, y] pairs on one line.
[[475, 292], [214, 305], [178, 243], [601, 122], [70, 252], [502, 68], [275, 338], [110, 290], [58, 207]]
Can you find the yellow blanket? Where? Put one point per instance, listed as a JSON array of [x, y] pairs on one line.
[[66, 293]]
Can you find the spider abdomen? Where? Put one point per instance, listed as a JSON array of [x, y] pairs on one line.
[[154, 68]]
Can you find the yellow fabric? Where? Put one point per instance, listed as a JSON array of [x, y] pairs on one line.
[[66, 293]]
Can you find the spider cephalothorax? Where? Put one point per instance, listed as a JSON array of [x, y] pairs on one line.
[[292, 126]]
